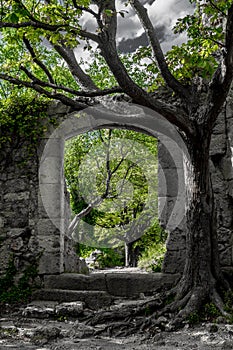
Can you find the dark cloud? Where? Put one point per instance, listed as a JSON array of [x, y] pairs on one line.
[[130, 45], [163, 14]]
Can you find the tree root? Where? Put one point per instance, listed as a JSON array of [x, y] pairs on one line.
[[153, 314]]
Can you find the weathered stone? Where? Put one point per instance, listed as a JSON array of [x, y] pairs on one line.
[[15, 196], [50, 263], [43, 335], [76, 282], [72, 309], [93, 299], [218, 145], [17, 244]]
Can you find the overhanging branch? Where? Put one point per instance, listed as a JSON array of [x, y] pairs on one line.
[[170, 80], [79, 75], [39, 83]]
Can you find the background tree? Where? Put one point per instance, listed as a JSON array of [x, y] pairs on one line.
[[199, 75], [122, 172]]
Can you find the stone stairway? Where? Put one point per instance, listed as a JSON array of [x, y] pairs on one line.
[[102, 289]]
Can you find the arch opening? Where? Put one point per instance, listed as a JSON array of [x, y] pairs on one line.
[[171, 191]]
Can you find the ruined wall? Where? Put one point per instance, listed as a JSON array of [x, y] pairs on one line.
[[28, 234], [18, 208]]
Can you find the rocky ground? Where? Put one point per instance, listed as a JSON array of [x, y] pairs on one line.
[[50, 325], [36, 327]]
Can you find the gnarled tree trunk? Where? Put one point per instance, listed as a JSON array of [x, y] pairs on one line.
[[202, 274]]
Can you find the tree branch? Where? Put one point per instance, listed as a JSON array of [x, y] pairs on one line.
[[41, 83], [36, 60], [79, 75], [55, 96], [174, 115], [170, 80], [217, 8], [51, 28], [85, 9], [34, 24]]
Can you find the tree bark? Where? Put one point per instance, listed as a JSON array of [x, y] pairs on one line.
[[202, 274]]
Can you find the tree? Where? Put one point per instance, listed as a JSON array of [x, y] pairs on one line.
[[200, 80], [115, 173]]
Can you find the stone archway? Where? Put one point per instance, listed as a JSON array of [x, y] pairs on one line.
[[53, 197], [27, 231]]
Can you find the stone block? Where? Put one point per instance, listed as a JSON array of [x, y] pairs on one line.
[[176, 240], [226, 257], [2, 222], [171, 212], [170, 155], [225, 235], [50, 244], [50, 263], [17, 196], [226, 167], [92, 299], [218, 145], [5, 257], [230, 188], [18, 184], [51, 170], [57, 108], [220, 125], [74, 281], [17, 244], [51, 147], [128, 285], [48, 227], [71, 309], [52, 197]]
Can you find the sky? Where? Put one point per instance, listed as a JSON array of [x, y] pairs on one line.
[[163, 14]]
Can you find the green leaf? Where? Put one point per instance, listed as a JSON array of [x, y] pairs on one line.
[[12, 17]]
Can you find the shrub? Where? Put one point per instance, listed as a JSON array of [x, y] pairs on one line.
[[151, 258]]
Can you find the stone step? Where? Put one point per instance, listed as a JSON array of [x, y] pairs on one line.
[[115, 284], [93, 299]]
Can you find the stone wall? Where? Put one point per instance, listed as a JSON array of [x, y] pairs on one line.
[[27, 235]]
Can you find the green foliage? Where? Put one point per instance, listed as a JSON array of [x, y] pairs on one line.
[[154, 237], [151, 258], [83, 250], [152, 247], [12, 292], [204, 29], [195, 58], [22, 117], [109, 258], [228, 300], [208, 312], [194, 318], [140, 65], [104, 216]]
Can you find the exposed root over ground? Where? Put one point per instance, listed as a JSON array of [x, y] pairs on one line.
[[159, 312]]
